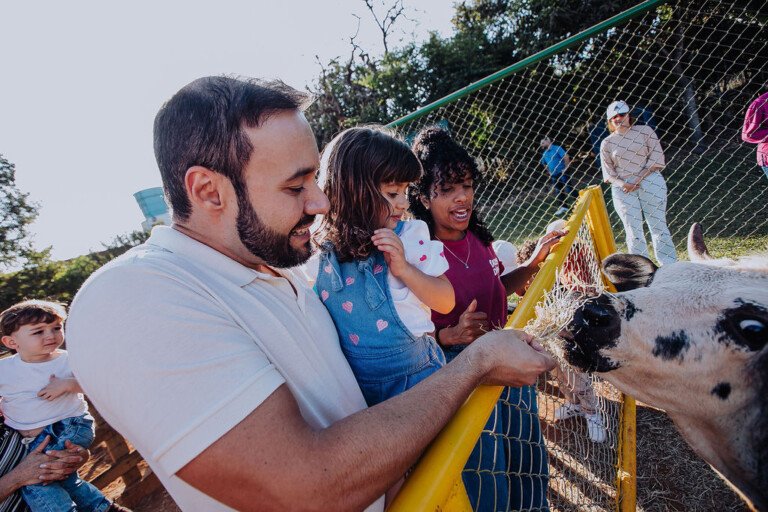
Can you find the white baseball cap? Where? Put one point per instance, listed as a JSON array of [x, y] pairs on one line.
[[617, 107], [507, 254], [556, 225]]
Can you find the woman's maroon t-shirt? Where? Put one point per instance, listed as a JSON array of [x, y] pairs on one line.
[[480, 281]]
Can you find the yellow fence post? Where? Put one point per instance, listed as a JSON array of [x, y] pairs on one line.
[[626, 473], [433, 484]]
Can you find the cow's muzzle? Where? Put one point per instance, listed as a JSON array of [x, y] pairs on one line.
[[595, 326]]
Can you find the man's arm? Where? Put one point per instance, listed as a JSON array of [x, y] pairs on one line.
[[273, 460]]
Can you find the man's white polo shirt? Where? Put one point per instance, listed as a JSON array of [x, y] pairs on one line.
[[176, 343]]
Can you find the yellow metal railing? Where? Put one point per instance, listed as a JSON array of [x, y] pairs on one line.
[[435, 484], [626, 474]]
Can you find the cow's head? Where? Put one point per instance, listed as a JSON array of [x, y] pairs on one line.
[[689, 338]]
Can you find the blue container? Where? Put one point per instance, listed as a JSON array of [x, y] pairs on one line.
[[151, 202]]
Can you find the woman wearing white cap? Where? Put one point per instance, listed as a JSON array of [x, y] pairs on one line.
[[632, 160]]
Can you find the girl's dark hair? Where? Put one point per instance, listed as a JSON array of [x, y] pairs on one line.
[[354, 165], [444, 162]]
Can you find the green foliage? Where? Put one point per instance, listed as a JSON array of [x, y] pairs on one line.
[[42, 278], [16, 212]]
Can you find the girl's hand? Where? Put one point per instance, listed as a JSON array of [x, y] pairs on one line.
[[544, 246], [390, 244], [55, 388], [472, 324]]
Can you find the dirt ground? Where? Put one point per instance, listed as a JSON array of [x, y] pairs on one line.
[[670, 476]]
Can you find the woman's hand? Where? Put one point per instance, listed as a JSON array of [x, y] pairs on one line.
[[67, 461], [390, 244], [544, 246], [40, 466], [472, 324], [630, 187]]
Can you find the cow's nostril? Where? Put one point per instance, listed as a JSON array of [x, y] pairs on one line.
[[596, 315]]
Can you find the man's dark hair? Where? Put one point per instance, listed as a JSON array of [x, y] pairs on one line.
[[203, 124]]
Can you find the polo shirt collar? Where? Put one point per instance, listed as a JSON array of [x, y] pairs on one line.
[[178, 243]]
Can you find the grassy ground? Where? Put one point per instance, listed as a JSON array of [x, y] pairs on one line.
[[723, 189]]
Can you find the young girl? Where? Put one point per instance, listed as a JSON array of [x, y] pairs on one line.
[[378, 274]]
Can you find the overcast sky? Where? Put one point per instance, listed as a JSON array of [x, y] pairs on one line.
[[81, 81]]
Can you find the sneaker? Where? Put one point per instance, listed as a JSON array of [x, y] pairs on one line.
[[561, 211], [567, 410], [596, 428]]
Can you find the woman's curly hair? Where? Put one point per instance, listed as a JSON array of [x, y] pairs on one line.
[[444, 162], [353, 167]]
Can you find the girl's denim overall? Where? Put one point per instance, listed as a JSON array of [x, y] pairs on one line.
[[385, 357]]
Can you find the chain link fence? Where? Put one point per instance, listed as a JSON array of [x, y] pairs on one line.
[[687, 69]]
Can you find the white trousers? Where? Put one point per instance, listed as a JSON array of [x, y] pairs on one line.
[[649, 200]]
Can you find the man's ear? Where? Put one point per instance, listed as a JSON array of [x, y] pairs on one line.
[[9, 342], [205, 188], [629, 271]]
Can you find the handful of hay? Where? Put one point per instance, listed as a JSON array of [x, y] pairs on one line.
[[577, 281]]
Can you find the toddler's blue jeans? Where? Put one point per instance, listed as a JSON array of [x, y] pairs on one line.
[[71, 494]]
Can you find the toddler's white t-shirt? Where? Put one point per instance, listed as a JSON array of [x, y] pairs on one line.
[[426, 255]]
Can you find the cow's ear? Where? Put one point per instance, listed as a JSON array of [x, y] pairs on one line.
[[628, 271]]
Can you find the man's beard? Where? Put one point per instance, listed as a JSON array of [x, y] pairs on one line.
[[271, 247]]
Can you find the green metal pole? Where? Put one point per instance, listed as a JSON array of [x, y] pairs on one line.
[[536, 57]]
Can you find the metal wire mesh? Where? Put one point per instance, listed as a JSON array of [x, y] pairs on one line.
[[687, 69], [574, 415], [579, 413]]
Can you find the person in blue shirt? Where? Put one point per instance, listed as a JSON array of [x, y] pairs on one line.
[[557, 161]]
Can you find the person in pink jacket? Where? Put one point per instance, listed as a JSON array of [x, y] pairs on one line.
[[755, 129]]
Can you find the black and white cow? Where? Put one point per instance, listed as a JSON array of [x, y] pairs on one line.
[[690, 338]]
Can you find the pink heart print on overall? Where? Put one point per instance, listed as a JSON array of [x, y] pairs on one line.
[[381, 324], [378, 269], [347, 306], [324, 295], [354, 338], [350, 281], [328, 269]]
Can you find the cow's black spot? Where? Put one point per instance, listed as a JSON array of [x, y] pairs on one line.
[[672, 346], [730, 325], [722, 390], [630, 309]]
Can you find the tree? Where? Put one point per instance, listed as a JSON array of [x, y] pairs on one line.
[[42, 278], [17, 213], [365, 89]]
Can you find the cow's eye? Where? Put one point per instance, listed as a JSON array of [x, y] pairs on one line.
[[755, 331]]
